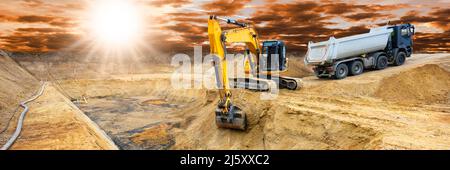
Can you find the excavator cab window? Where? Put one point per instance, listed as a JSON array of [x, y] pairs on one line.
[[271, 50]]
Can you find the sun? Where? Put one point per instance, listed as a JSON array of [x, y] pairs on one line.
[[115, 23]]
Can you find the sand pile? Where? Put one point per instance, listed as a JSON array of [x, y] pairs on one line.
[[274, 126], [297, 68], [426, 84]]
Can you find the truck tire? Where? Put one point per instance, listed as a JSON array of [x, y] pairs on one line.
[[341, 71], [382, 62], [356, 68], [400, 58]]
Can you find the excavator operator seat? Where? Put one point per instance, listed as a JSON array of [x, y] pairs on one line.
[[270, 50]]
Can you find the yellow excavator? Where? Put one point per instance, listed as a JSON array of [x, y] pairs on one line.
[[262, 68]]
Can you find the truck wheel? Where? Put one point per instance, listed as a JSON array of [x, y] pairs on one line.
[[382, 62], [341, 71], [400, 58], [356, 68]]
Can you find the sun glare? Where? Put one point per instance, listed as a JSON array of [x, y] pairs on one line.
[[115, 23]]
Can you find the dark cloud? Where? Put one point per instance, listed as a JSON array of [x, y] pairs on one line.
[[350, 31], [60, 40], [225, 7], [63, 23], [339, 8], [432, 42], [442, 18], [38, 39], [438, 18], [40, 30], [6, 18], [20, 42], [50, 20], [367, 15], [278, 21], [186, 17], [34, 18]]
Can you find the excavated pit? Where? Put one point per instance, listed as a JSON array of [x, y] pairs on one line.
[[137, 114], [149, 114]]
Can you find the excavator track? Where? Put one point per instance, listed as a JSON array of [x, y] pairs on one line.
[[290, 83], [260, 84], [257, 84]]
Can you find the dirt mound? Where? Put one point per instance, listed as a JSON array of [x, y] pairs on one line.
[[274, 125], [426, 84], [297, 68]]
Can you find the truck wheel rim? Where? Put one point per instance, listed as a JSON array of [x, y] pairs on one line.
[[357, 69], [341, 71]]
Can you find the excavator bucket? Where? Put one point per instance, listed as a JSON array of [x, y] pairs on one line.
[[234, 119]]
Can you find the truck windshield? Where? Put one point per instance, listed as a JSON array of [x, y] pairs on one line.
[[404, 32]]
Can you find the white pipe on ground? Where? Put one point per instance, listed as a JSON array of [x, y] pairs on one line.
[[16, 134]]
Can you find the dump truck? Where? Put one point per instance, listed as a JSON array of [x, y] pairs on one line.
[[381, 46]]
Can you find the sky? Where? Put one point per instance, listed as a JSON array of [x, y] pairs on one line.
[[174, 26]]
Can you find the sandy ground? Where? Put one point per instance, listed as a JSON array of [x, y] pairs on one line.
[[406, 107], [403, 107], [362, 112], [52, 122], [16, 84]]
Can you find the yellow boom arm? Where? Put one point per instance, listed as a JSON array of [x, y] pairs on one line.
[[217, 39]]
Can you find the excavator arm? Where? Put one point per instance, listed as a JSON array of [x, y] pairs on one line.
[[228, 115]]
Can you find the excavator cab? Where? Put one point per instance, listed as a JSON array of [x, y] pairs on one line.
[[273, 51]]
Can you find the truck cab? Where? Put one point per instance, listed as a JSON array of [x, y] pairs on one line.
[[401, 39]]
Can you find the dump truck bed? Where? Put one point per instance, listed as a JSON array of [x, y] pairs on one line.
[[327, 51]]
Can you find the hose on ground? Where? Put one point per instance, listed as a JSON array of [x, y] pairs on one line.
[[16, 134]]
